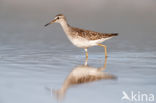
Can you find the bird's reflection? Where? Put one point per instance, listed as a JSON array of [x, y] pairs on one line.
[[82, 74]]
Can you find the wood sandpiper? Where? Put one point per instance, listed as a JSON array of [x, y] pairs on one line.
[[80, 37]]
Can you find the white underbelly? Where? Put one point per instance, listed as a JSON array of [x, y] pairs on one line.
[[84, 43]]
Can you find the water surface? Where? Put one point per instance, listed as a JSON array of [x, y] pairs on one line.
[[31, 73], [36, 61]]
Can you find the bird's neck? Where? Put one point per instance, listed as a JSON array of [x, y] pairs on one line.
[[65, 26]]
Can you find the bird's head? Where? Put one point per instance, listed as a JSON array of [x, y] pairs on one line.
[[58, 19]]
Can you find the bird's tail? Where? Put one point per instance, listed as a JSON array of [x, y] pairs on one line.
[[110, 34], [113, 34]]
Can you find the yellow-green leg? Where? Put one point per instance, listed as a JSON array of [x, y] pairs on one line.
[[86, 51], [104, 67], [105, 47]]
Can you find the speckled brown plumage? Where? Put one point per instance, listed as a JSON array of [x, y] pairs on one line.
[[90, 35]]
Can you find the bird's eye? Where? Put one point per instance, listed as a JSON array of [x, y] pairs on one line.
[[57, 18]]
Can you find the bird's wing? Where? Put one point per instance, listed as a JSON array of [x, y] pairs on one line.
[[92, 35]]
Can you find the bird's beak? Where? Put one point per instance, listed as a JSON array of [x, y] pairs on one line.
[[50, 22]]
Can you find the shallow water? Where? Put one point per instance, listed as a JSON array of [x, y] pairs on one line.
[[31, 73], [35, 62]]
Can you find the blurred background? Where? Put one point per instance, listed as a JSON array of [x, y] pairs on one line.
[[35, 59], [22, 21]]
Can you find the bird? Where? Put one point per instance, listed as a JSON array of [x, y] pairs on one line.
[[82, 38]]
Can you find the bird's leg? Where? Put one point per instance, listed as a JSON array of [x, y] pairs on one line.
[[104, 67], [86, 51], [105, 47]]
